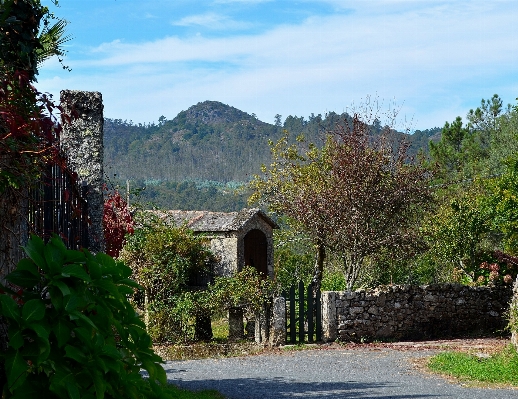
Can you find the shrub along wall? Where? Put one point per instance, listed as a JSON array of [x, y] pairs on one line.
[[414, 312]]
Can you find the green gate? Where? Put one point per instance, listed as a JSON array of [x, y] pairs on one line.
[[303, 315]]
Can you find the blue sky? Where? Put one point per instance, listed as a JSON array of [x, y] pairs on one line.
[[433, 59]]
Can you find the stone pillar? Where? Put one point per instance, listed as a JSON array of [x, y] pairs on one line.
[[261, 325], [82, 142], [236, 326], [513, 313], [278, 323], [329, 322]]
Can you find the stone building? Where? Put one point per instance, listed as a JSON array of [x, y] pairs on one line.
[[236, 238]]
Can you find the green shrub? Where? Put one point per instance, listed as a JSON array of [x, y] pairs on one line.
[[72, 331], [165, 261]]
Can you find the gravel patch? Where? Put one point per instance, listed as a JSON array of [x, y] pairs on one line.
[[336, 373]]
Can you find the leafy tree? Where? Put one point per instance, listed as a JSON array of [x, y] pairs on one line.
[[502, 206], [458, 235], [355, 197], [164, 261]]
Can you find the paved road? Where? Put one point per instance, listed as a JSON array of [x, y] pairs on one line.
[[329, 374]]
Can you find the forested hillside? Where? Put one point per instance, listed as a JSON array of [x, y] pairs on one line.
[[211, 148]]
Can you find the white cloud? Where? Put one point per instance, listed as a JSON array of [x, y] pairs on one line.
[[434, 57], [212, 21]]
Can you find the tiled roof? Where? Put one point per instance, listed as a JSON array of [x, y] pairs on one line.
[[201, 221]]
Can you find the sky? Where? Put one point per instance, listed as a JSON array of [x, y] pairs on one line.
[[430, 61]]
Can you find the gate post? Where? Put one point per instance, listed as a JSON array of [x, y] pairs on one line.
[[236, 326], [261, 325], [278, 323], [329, 322], [82, 142]]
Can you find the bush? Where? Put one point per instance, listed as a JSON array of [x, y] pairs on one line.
[[72, 332], [167, 261]]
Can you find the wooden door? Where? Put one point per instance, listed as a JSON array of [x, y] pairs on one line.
[[256, 251]]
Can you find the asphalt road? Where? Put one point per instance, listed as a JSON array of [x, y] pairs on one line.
[[329, 374]]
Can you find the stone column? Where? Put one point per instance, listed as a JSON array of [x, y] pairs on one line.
[[329, 322], [236, 326], [82, 142], [261, 325], [513, 312], [278, 323]]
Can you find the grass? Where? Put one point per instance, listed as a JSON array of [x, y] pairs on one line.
[[500, 368], [179, 393]]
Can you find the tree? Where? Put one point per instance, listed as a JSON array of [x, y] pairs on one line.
[[356, 196], [27, 127], [278, 120], [164, 260]]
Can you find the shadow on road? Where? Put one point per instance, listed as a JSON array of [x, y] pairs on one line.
[[275, 388]]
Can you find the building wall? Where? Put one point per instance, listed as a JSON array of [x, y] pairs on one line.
[[225, 247], [414, 312]]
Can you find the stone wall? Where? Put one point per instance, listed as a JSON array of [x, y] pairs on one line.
[[414, 312]]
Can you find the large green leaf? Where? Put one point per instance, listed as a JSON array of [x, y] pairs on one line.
[[33, 310], [54, 253], [108, 285], [23, 278], [100, 385], [75, 270], [79, 316], [65, 290], [94, 268], [62, 332], [16, 369], [10, 308], [60, 380], [74, 301], [75, 353], [84, 335], [42, 330], [15, 336], [28, 265], [30, 389], [73, 256], [107, 263], [35, 249], [44, 350]]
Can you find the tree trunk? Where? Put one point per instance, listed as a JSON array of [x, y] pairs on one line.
[[319, 267], [13, 234], [13, 229]]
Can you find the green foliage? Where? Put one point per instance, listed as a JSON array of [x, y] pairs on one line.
[[458, 236], [293, 257], [502, 205], [190, 195], [173, 264], [355, 197], [245, 289], [72, 332], [210, 141], [501, 367], [166, 261]]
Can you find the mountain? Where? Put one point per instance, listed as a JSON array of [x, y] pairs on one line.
[[209, 141], [204, 152]]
